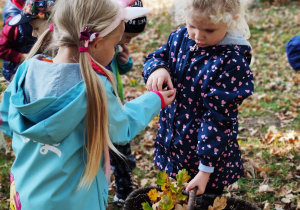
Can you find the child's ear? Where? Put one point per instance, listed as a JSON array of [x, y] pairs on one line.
[[96, 43]]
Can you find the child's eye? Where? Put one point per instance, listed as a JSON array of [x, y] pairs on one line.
[[210, 31]]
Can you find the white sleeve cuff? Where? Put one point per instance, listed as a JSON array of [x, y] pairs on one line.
[[206, 169]]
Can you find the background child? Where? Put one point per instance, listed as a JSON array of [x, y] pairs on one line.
[[36, 13], [15, 41], [121, 64], [64, 113], [293, 52], [207, 61]]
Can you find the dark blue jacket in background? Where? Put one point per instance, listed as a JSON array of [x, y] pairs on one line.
[[200, 127], [24, 42]]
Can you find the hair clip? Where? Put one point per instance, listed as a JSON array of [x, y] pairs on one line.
[[84, 35]]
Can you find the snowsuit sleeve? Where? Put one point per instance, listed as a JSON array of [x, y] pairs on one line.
[[158, 59], [9, 36], [125, 122], [219, 125]]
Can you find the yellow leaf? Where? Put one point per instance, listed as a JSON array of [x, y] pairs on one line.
[[219, 204], [153, 195]]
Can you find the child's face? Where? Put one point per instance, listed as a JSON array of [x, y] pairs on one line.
[[204, 32], [38, 27], [126, 38], [105, 50]]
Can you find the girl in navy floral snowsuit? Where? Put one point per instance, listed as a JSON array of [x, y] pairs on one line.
[[207, 61]]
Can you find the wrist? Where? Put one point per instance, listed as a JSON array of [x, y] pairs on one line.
[[161, 98]]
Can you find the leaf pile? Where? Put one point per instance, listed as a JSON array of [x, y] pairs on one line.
[[170, 195]]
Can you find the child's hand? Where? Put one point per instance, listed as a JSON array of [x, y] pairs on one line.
[[168, 96], [199, 181], [158, 78], [124, 55]]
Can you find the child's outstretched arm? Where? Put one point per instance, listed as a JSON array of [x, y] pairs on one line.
[[160, 65], [125, 122]]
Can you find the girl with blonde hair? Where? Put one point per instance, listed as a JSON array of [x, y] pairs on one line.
[[207, 60], [63, 113]]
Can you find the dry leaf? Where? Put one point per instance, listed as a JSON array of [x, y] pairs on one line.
[[219, 204]]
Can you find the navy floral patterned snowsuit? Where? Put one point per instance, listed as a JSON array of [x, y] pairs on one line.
[[201, 125]]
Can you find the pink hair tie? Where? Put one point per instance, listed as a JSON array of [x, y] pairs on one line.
[[51, 27], [83, 49]]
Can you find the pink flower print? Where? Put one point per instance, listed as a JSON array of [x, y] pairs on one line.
[[209, 128], [193, 59], [210, 164], [184, 126], [218, 83], [163, 119], [190, 100], [189, 157], [202, 52], [233, 79], [185, 160], [181, 152], [228, 62], [161, 55], [173, 153], [166, 168], [172, 54], [191, 131], [205, 77], [188, 78], [184, 56], [180, 142], [200, 82], [174, 59], [215, 150], [192, 89], [223, 102], [209, 146], [193, 147], [187, 136], [180, 164], [247, 91], [213, 184], [238, 68], [221, 169], [218, 138], [240, 83], [175, 43]]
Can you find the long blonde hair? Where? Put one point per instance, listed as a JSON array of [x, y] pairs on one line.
[[231, 12], [69, 17]]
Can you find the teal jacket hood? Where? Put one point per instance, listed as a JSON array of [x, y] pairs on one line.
[[48, 120]]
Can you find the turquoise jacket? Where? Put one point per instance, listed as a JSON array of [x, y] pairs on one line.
[[48, 142]]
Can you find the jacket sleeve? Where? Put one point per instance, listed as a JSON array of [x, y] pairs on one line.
[[125, 122], [126, 67], [8, 38], [157, 59], [219, 124]]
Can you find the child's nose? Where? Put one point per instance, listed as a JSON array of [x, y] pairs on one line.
[[199, 35]]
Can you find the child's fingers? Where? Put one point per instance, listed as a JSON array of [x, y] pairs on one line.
[[170, 83]]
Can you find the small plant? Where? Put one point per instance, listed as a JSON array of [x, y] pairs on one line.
[[171, 194]]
